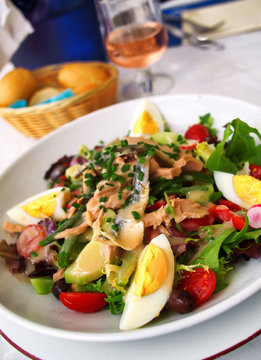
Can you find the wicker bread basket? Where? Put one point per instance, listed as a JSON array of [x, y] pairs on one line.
[[37, 121]]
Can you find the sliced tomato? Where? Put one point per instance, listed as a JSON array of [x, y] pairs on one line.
[[197, 132], [255, 171], [232, 206], [83, 302], [193, 224], [159, 203], [199, 283], [29, 240], [220, 212], [156, 205], [238, 222]]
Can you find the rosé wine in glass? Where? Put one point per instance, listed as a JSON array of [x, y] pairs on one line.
[[135, 38], [137, 46]]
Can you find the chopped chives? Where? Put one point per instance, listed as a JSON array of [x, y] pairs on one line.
[[119, 194], [136, 215], [76, 205], [142, 159], [125, 167], [88, 182], [140, 175], [124, 143], [115, 227], [109, 184], [88, 176], [171, 209], [103, 199]]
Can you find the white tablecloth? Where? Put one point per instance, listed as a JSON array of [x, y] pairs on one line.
[[233, 72]]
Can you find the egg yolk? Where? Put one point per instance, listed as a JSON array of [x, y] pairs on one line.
[[152, 271], [44, 206], [248, 189], [145, 124]]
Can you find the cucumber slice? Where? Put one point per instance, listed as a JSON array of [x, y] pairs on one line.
[[165, 137], [42, 285], [128, 266], [201, 196]]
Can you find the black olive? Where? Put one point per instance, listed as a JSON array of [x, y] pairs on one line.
[[58, 171], [60, 286], [180, 302]]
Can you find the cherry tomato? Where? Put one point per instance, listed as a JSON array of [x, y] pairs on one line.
[[232, 206], [238, 222], [255, 171], [29, 240], [83, 302], [193, 224], [221, 212], [197, 132], [199, 283]]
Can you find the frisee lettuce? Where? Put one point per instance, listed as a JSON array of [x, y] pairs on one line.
[[207, 121]]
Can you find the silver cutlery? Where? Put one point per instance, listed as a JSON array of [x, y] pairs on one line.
[[199, 40]]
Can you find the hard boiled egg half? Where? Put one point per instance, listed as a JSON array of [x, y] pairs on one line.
[[147, 120], [48, 204], [151, 284], [243, 190]]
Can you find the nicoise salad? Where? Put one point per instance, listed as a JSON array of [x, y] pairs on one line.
[[155, 220]]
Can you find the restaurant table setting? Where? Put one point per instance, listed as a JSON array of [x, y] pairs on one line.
[[213, 58]]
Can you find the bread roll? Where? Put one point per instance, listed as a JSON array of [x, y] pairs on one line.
[[43, 94], [82, 75], [17, 84]]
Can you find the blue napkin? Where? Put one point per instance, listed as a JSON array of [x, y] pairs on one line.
[[63, 95], [18, 104]]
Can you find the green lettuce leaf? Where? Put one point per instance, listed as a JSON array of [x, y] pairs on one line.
[[242, 146], [217, 160], [210, 254]]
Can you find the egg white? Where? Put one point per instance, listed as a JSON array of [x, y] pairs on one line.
[[138, 311], [224, 182], [20, 216], [154, 112]]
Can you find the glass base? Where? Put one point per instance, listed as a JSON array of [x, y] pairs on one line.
[[146, 83]]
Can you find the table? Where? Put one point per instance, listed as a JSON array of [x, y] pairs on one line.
[[233, 72]]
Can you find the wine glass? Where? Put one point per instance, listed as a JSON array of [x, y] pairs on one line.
[[135, 37]]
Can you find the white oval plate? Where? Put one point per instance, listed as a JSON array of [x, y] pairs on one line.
[[44, 314]]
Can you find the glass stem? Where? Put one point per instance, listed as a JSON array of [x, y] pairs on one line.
[[144, 79]]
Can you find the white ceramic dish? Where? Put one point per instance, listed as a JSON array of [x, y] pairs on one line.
[[44, 315]]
